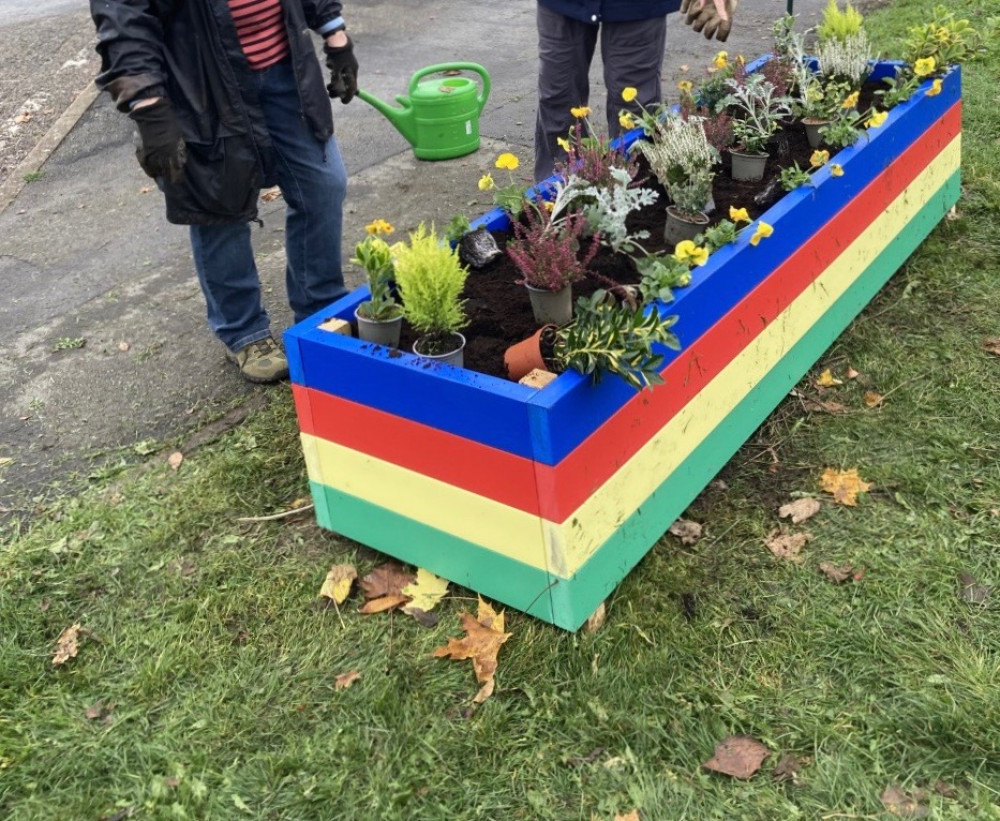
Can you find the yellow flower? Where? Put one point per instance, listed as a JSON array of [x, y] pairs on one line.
[[379, 227], [924, 66], [850, 101], [563, 143], [836, 170], [721, 59], [738, 215], [507, 161], [486, 183], [819, 158], [763, 231], [685, 86], [548, 205], [629, 94], [687, 251], [935, 88], [626, 120], [876, 119], [580, 111]]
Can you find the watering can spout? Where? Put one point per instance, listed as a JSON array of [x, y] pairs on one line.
[[438, 117]]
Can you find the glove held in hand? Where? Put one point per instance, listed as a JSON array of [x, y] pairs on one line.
[[702, 15], [343, 71], [162, 151]]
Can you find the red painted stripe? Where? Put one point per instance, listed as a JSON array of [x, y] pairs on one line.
[[511, 479], [489, 472]]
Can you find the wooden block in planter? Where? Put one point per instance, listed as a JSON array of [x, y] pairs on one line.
[[545, 499]]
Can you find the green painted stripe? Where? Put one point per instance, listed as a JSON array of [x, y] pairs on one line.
[[573, 600], [517, 585]]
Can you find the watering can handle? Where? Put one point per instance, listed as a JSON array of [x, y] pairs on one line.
[[442, 67]]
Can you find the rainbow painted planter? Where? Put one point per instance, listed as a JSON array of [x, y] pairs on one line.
[[546, 499]]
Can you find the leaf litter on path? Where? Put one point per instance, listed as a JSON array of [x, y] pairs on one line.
[[484, 636]]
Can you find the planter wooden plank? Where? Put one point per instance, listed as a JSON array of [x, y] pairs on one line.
[[545, 499]]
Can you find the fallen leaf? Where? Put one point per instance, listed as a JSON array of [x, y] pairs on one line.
[[841, 573], [596, 619], [175, 459], [345, 680], [904, 804], [850, 373], [337, 585], [425, 592], [788, 768], [687, 531], [827, 380], [632, 816], [384, 587], [873, 400], [739, 756], [800, 509], [972, 591], [484, 635], [23, 117], [787, 545], [100, 710], [270, 194], [843, 485], [66, 644], [945, 790], [420, 617], [992, 345], [828, 406]]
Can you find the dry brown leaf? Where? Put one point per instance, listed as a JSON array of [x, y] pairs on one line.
[[841, 573], [387, 579], [739, 756], [873, 399], [484, 635], [270, 194], [345, 680], [338, 582], [827, 380], [380, 605], [904, 804], [788, 767], [687, 531], [800, 509], [596, 620], [823, 406], [971, 590], [787, 545], [67, 644], [100, 710], [175, 459], [632, 816], [843, 485], [425, 592], [850, 373], [992, 345]]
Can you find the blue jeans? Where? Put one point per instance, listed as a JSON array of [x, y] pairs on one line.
[[313, 182]]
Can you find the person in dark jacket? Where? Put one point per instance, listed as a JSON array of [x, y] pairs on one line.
[[632, 35], [228, 97]]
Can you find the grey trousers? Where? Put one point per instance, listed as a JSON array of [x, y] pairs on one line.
[[632, 54]]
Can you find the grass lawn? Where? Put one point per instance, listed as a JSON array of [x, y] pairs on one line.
[[204, 686]]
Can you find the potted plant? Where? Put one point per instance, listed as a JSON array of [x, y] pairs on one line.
[[605, 337], [758, 111], [546, 252], [380, 317], [430, 277]]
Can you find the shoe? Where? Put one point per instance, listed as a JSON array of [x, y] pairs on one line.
[[261, 361]]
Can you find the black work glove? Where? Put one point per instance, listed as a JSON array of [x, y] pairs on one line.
[[343, 67], [703, 15], [162, 151]]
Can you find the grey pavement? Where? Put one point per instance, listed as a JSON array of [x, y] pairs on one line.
[[87, 258]]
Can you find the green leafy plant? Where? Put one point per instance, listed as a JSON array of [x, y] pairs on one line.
[[843, 131], [606, 337], [660, 274], [682, 159], [458, 226], [374, 257], [839, 24], [758, 111], [945, 39], [509, 197], [431, 277]]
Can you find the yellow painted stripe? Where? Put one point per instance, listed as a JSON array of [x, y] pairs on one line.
[[590, 525], [563, 548], [466, 515]]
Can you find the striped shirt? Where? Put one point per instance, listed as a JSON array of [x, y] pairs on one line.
[[260, 25]]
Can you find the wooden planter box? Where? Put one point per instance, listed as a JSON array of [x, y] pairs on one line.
[[546, 499]]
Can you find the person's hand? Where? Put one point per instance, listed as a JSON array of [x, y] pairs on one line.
[[713, 17], [343, 67], [162, 151]]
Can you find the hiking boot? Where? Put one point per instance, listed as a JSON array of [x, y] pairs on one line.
[[261, 361]]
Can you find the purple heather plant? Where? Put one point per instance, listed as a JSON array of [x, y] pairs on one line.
[[547, 252]]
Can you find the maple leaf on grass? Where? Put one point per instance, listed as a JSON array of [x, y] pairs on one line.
[[484, 636], [383, 588], [425, 592], [338, 582], [738, 755], [843, 485]]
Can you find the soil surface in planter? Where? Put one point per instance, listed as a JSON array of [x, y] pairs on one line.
[[498, 308]]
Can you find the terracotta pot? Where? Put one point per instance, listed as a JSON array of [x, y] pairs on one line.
[[748, 167], [680, 227], [812, 127], [523, 357]]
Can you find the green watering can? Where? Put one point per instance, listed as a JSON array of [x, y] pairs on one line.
[[439, 117]]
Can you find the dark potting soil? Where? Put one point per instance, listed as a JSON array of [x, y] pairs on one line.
[[499, 310]]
